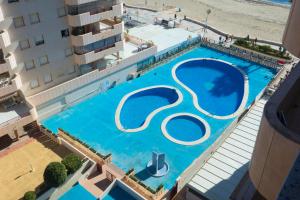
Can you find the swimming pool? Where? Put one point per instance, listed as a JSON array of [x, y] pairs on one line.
[[93, 121], [77, 192]]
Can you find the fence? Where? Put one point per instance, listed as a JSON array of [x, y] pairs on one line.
[[211, 28], [244, 54], [172, 53]]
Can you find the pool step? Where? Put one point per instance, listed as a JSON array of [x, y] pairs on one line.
[[218, 178]]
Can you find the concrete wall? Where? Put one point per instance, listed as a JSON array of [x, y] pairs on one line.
[[50, 27], [291, 38], [277, 145], [71, 92], [272, 159]]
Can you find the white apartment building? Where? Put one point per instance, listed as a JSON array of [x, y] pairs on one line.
[[46, 43]]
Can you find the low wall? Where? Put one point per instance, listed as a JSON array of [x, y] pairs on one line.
[[15, 124], [139, 7], [141, 190], [219, 32], [248, 55], [84, 150], [96, 75], [60, 97]]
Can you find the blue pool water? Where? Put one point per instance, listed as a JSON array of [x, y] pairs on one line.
[[93, 121], [281, 1], [77, 192], [117, 193], [215, 83], [185, 128], [152, 99]]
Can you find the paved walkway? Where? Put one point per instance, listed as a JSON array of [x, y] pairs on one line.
[[218, 178]]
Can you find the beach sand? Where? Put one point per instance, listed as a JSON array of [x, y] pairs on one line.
[[238, 17]]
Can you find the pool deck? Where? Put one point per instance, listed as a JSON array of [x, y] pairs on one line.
[[223, 171]]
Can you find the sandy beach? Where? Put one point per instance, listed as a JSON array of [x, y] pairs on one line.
[[238, 17]]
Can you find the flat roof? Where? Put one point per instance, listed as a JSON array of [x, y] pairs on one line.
[[163, 38]]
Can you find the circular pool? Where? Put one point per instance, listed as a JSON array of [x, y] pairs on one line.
[[185, 129]]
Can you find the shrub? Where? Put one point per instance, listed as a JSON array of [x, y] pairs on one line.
[[30, 195], [55, 174], [242, 42], [265, 48], [72, 163], [159, 187]]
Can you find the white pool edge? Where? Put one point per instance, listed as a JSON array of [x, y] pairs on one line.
[[169, 137], [195, 97], [151, 115]]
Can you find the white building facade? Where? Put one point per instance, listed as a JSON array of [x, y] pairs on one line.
[[44, 44]]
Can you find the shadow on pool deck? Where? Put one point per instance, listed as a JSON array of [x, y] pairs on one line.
[[5, 141], [143, 175]]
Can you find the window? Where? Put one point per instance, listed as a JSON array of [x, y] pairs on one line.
[[39, 40], [24, 44], [29, 65], [34, 84], [47, 78], [71, 69], [13, 1], [19, 22], [68, 52], [65, 33], [61, 12], [34, 18], [43, 60]]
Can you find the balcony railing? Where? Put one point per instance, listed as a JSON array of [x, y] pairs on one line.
[[4, 38], [98, 53], [92, 28], [8, 86], [98, 46], [92, 7], [88, 36], [94, 15]]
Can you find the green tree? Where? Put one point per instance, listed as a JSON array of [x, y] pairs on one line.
[[30, 195], [55, 174], [72, 163]]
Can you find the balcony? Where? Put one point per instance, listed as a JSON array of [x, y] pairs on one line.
[[98, 53], [4, 39], [15, 113], [107, 31], [95, 15], [3, 66], [9, 86], [8, 64]]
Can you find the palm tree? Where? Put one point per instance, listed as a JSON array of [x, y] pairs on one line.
[[206, 21]]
